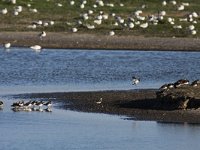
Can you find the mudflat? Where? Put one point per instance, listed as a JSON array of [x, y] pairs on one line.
[[136, 104], [65, 40]]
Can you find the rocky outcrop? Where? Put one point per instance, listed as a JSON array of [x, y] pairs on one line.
[[185, 96]]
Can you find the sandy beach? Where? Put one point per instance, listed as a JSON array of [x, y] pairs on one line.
[[67, 40]]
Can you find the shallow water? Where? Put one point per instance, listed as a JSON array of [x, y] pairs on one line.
[[64, 129], [22, 70]]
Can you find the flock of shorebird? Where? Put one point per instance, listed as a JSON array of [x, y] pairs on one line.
[[30, 106], [182, 83], [178, 84], [92, 16], [37, 105]]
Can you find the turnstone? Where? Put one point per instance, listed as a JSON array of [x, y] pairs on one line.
[[195, 83], [170, 85], [181, 82], [164, 87]]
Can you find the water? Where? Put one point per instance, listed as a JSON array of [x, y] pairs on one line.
[[24, 71], [64, 129]]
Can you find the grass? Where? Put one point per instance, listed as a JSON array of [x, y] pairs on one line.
[[70, 14]]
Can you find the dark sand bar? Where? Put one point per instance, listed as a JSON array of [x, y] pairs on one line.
[[91, 41], [136, 104]]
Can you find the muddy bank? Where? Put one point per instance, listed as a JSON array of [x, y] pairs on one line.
[[138, 104], [91, 41]]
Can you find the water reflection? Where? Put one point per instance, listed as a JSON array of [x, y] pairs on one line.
[[31, 109], [183, 124], [64, 129]]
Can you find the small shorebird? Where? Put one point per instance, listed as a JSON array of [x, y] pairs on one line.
[[18, 104], [28, 104], [195, 83], [39, 104], [1, 104], [181, 82], [135, 80], [100, 101], [167, 86], [164, 87], [48, 104], [42, 34], [33, 103], [170, 85]]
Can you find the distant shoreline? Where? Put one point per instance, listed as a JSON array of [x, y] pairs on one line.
[[66, 40]]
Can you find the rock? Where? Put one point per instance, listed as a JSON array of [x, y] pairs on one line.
[[183, 97]]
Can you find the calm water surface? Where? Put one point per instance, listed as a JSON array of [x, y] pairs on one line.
[[22, 71]]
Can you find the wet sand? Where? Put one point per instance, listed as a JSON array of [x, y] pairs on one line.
[[136, 104], [90, 41]]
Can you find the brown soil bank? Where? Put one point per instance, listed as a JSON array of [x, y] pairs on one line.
[[139, 104], [90, 41]]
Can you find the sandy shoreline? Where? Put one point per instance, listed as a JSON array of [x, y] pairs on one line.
[[137, 104], [66, 40]]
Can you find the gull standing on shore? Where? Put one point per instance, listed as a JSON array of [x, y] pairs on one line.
[[7, 45], [111, 33], [37, 48]]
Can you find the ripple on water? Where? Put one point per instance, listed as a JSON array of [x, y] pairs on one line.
[[72, 70]]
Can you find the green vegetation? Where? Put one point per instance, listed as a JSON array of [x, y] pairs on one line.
[[67, 17]]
